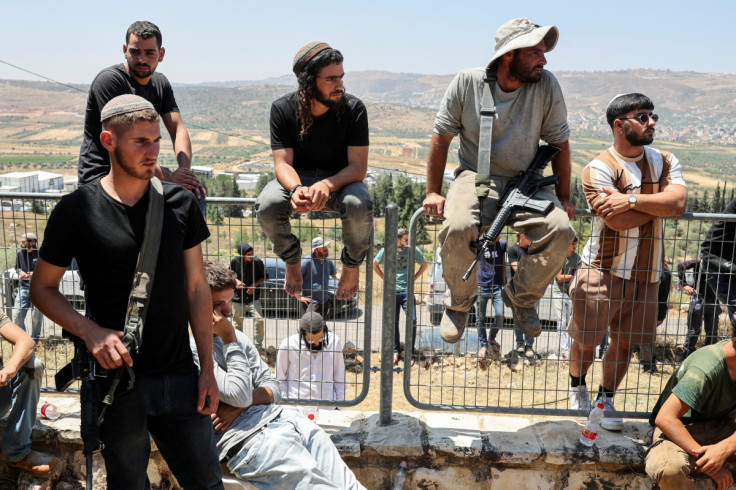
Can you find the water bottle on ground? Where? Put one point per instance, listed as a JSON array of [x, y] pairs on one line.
[[400, 477], [590, 432], [49, 411], [311, 412]]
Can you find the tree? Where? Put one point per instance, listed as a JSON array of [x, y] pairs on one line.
[[264, 179]]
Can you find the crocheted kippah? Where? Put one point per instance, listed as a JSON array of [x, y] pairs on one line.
[[305, 54], [123, 104]]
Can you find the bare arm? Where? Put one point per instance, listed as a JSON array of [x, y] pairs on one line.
[[616, 212], [434, 203], [513, 266], [226, 414], [422, 268], [105, 344], [23, 348], [283, 167], [199, 300], [377, 269], [561, 166], [183, 151]]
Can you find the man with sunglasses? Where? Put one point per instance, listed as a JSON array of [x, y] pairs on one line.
[[630, 186]]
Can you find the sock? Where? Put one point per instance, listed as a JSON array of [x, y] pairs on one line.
[[604, 391], [576, 381]]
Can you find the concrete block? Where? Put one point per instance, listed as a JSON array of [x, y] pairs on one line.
[[450, 478], [346, 428], [403, 438], [561, 439], [585, 480], [454, 433], [509, 439], [528, 479]]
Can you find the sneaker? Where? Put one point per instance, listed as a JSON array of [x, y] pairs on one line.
[[452, 325], [529, 352], [579, 398], [36, 462], [526, 318], [520, 350], [609, 423]]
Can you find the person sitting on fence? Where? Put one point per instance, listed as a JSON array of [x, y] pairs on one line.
[[20, 388], [718, 251], [491, 278], [402, 278], [629, 186], [530, 107], [524, 342], [317, 270], [319, 139], [703, 310], [563, 304], [262, 442], [25, 263], [310, 364], [250, 273], [694, 420]]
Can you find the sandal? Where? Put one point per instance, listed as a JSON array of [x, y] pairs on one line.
[[495, 348]]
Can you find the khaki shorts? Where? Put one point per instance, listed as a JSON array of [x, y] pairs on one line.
[[602, 302]]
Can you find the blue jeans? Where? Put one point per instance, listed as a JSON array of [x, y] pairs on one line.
[[21, 307], [721, 286], [484, 295], [401, 304], [292, 452], [521, 339], [166, 407], [352, 202], [20, 397]]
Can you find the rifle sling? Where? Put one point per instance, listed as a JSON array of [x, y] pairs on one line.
[[487, 115], [142, 283]]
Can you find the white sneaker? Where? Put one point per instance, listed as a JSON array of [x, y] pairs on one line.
[[579, 398], [608, 422]]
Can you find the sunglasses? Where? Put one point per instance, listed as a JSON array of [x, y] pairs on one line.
[[643, 117]]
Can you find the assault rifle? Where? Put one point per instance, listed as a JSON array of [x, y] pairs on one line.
[[518, 194], [84, 367]]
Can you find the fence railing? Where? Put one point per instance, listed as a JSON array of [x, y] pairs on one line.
[[444, 376]]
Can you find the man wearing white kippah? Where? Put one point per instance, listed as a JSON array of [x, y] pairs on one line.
[[630, 187]]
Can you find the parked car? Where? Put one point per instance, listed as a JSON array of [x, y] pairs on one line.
[[436, 292], [276, 302], [70, 286]]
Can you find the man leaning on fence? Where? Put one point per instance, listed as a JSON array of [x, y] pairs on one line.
[[102, 225], [261, 442], [694, 422], [319, 138], [629, 186], [530, 107]]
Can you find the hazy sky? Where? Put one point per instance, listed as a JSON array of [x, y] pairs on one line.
[[243, 40]]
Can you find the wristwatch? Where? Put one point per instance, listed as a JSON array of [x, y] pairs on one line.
[[632, 201]]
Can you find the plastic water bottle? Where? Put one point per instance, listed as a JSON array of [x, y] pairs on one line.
[[311, 412], [400, 477], [591, 428], [49, 411]]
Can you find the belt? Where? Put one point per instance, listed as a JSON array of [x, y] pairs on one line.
[[240, 445]]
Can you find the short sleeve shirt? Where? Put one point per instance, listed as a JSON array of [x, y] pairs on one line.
[[316, 278], [325, 145], [94, 160], [402, 265], [514, 255]]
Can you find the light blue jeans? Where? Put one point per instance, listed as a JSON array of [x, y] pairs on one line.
[[292, 452], [20, 398], [21, 306], [352, 202], [563, 305]]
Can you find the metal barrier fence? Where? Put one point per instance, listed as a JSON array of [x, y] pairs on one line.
[[235, 223], [452, 377], [445, 376]]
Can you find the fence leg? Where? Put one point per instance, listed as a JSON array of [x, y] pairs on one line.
[[389, 310]]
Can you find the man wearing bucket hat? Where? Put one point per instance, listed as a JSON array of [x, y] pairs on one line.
[[319, 140], [316, 271], [529, 106]]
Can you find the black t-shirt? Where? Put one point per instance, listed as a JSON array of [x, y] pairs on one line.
[[248, 273], [105, 237], [514, 255], [325, 146], [720, 242], [94, 161], [25, 260]]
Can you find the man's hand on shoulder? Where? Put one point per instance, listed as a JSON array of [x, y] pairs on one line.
[[107, 346], [186, 178], [434, 205]]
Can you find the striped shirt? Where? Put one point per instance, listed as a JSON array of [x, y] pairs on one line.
[[636, 253]]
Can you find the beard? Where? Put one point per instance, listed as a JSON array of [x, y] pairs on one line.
[[636, 139], [524, 72], [141, 70], [138, 173], [335, 105]]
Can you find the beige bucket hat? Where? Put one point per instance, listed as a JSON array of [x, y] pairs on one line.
[[523, 33]]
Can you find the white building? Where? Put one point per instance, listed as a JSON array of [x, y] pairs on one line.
[[206, 172], [36, 181]]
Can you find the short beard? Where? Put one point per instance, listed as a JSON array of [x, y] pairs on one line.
[[130, 170], [635, 140], [335, 105], [523, 72]]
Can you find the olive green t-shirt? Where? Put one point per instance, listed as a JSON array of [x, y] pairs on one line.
[[704, 383]]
